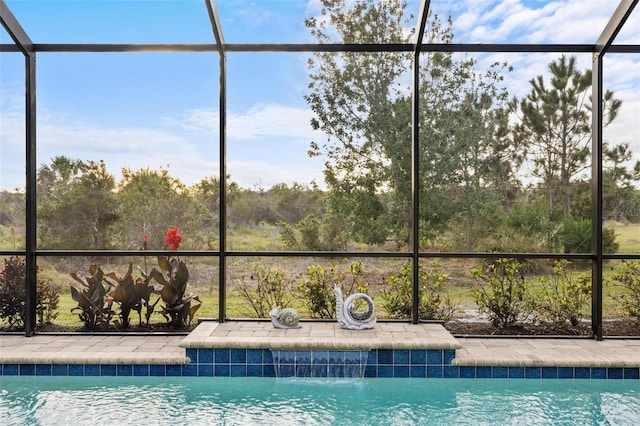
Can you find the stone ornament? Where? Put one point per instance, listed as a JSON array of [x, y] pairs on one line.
[[286, 318], [350, 319]]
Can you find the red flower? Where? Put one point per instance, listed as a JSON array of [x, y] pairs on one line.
[[173, 239], [145, 242]]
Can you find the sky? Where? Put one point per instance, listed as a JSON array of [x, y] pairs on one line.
[[160, 110]]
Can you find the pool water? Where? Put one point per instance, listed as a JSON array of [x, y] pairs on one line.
[[268, 401]]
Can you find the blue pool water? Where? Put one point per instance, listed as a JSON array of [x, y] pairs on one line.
[[269, 401]]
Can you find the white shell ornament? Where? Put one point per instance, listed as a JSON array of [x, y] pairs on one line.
[[346, 315], [286, 318]]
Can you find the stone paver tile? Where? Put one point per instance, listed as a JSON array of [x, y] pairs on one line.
[[322, 333]]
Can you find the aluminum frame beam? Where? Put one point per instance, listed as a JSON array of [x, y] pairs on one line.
[[215, 24], [30, 196], [222, 111], [415, 164], [249, 47], [422, 23], [15, 30], [602, 45], [614, 25]]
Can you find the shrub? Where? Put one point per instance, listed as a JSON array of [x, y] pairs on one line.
[[575, 237], [13, 296], [564, 296], [47, 299], [130, 295], [98, 291], [317, 289], [433, 305], [270, 288], [177, 309], [501, 292], [91, 296], [628, 276]]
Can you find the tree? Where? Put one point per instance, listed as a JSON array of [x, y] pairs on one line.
[[76, 205], [207, 194], [467, 156], [618, 180], [362, 104], [150, 202], [362, 110], [555, 127]]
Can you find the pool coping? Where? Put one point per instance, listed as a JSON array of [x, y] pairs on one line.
[[319, 336]]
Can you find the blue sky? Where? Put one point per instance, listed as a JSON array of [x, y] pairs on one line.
[[160, 109]]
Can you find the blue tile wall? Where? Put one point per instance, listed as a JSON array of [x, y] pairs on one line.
[[381, 363]]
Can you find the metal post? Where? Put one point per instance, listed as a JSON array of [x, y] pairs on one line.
[[415, 163], [30, 126], [222, 262], [613, 27], [415, 190], [596, 197]]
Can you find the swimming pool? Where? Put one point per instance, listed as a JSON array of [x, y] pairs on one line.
[[31, 400]]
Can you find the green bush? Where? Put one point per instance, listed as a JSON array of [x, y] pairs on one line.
[[13, 296], [575, 237], [501, 293], [433, 304], [565, 295], [314, 234], [317, 288], [268, 288], [628, 276]]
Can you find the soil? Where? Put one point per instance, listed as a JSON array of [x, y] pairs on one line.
[[611, 327], [152, 328], [625, 327]]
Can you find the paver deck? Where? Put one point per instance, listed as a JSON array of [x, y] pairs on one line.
[[82, 349], [151, 349], [543, 352]]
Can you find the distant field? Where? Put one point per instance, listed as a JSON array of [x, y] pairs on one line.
[[204, 275], [628, 236]]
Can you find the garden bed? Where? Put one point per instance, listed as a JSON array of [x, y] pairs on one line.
[[626, 327]]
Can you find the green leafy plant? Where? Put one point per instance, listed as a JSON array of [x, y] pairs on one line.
[[91, 296], [317, 288], [267, 288], [47, 299], [433, 304], [132, 295], [565, 295], [13, 296], [501, 292], [628, 277], [178, 308]]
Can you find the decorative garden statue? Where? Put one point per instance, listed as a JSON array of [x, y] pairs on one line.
[[346, 315], [286, 318]]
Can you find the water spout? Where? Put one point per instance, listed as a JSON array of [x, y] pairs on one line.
[[289, 363]]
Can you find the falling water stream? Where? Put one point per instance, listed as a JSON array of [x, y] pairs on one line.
[[290, 363]]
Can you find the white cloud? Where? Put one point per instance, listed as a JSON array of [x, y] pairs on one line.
[[271, 120], [275, 133], [518, 21], [261, 121], [260, 174]]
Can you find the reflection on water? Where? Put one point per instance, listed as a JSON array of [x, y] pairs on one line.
[[218, 401]]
